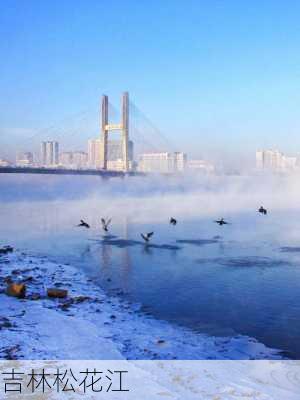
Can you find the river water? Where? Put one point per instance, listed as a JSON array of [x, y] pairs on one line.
[[241, 278]]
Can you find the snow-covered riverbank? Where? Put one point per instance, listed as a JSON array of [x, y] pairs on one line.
[[91, 325]]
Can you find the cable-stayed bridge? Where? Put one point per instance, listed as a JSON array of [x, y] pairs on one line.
[[128, 123]]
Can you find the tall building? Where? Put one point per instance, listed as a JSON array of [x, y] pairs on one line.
[[274, 160], [95, 159], [164, 162], [49, 153], [73, 159], [180, 161], [66, 159], [79, 159], [115, 150], [24, 159], [259, 159], [290, 163], [114, 154]]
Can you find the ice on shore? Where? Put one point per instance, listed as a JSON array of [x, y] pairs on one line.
[[96, 326]]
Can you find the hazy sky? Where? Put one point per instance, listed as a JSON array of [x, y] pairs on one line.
[[219, 78]]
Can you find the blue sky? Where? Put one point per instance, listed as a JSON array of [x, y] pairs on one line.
[[219, 78]]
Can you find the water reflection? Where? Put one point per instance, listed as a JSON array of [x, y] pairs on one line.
[[290, 249], [198, 242], [245, 262], [244, 281]]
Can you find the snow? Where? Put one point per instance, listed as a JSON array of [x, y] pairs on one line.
[[97, 331], [99, 327]]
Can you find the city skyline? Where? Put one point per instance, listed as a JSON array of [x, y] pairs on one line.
[[105, 152], [205, 71]]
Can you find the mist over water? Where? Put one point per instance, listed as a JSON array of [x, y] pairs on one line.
[[242, 278]]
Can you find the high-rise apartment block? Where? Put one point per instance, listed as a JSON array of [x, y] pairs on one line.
[[49, 153], [274, 160], [66, 159], [163, 162], [79, 159], [114, 156], [95, 158]]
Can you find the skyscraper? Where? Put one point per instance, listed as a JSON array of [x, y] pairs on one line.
[[95, 151], [49, 153], [274, 160], [163, 162], [114, 154]]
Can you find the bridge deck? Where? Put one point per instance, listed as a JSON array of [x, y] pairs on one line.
[[61, 171]]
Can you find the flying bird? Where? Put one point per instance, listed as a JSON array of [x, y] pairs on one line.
[[221, 222], [105, 224], [83, 224], [262, 210], [173, 221], [147, 236]]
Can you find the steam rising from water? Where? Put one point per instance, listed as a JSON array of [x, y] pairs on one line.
[[218, 273], [154, 198]]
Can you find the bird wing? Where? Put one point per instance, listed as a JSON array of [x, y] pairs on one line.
[[82, 221], [144, 237], [108, 222], [103, 222], [149, 234]]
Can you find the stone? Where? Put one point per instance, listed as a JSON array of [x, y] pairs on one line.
[[65, 306], [9, 249], [57, 293], [6, 249], [80, 299], [35, 296], [16, 290]]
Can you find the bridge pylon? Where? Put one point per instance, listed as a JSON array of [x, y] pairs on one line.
[[106, 127]]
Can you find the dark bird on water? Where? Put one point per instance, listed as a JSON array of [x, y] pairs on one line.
[[221, 222], [83, 224], [147, 236], [105, 224], [262, 210], [173, 221]]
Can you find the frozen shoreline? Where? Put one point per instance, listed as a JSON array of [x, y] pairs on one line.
[[94, 325]]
